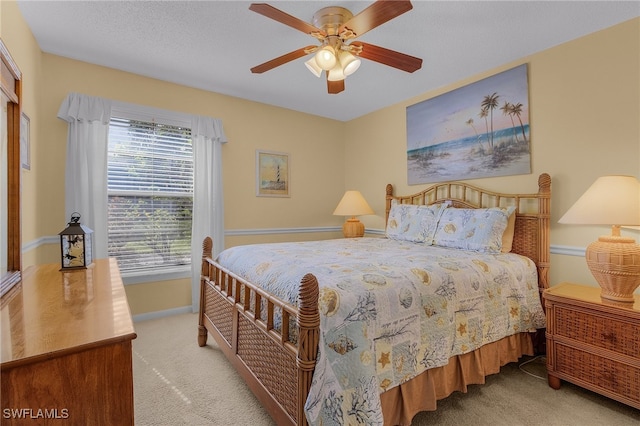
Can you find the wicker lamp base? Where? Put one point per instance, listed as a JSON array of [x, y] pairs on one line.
[[353, 228], [614, 261]]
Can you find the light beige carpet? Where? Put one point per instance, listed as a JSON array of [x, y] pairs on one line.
[[176, 382]]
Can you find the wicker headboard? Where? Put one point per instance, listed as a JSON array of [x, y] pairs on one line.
[[533, 211]]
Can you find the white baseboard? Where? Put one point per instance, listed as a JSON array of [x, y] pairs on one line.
[[160, 314]]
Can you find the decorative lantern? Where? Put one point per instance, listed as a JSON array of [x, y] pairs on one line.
[[76, 245]]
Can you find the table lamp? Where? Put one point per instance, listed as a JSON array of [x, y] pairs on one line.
[[352, 204], [613, 260]]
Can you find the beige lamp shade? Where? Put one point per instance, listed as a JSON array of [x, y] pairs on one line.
[[611, 200], [352, 204], [613, 260]]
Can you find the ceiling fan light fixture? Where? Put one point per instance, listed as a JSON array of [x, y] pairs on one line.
[[336, 73], [350, 63], [326, 58], [313, 66], [334, 27]]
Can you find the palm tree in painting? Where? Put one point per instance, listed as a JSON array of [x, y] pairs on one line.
[[517, 110], [507, 109], [490, 102], [469, 122], [484, 113]]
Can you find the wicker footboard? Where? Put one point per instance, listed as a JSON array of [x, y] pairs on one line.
[[277, 370]]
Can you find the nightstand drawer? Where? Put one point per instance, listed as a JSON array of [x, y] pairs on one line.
[[593, 343], [601, 331], [609, 377]]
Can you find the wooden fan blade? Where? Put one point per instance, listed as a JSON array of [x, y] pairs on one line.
[[375, 15], [388, 57], [284, 18], [281, 60], [334, 87]]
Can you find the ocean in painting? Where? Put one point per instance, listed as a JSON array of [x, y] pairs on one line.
[[472, 157]]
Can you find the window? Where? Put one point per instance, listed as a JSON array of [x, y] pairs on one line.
[[150, 193]]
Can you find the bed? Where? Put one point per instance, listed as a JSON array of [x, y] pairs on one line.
[[277, 339]]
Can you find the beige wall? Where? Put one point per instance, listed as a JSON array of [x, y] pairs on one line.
[[585, 122], [584, 101], [26, 53], [314, 144]]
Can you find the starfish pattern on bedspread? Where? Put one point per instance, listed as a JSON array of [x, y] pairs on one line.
[[390, 310]]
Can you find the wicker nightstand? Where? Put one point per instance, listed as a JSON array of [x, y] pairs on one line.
[[592, 343]]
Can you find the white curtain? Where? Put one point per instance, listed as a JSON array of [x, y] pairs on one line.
[[207, 136], [86, 167]]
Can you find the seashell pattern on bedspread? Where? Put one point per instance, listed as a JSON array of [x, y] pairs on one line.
[[391, 309]]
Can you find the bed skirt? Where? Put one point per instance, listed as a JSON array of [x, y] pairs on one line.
[[402, 403]]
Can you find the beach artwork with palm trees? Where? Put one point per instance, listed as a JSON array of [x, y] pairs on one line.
[[477, 131]]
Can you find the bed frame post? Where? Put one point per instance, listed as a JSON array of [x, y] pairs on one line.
[[544, 210], [309, 334], [286, 403], [207, 246], [389, 197]]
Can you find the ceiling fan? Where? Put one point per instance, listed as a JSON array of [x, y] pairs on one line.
[[334, 27]]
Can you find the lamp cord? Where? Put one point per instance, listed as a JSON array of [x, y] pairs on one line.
[[543, 357]]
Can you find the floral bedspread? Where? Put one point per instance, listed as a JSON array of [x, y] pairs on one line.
[[390, 310]]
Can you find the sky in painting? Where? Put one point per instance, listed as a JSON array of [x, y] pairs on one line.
[[444, 118], [269, 164]]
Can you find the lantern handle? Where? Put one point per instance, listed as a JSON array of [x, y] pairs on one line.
[[75, 217]]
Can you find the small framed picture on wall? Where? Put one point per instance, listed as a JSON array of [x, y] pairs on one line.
[[273, 174]]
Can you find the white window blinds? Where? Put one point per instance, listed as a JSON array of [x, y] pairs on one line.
[[150, 194]]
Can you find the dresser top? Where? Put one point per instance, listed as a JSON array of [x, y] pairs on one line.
[[53, 312], [583, 293]]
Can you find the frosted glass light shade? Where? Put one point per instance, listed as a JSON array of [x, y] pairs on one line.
[[313, 66], [326, 58], [349, 63], [611, 200], [336, 73]]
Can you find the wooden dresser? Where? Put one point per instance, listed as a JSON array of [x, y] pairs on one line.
[[66, 348], [593, 343]]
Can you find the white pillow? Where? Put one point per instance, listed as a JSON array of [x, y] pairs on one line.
[[410, 222], [473, 229]]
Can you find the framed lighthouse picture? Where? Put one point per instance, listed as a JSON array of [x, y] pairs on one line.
[[273, 174]]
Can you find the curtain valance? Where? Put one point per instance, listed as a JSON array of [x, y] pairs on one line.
[[86, 171], [209, 128], [80, 107]]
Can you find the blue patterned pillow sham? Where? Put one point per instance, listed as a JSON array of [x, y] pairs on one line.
[[473, 229], [416, 223]]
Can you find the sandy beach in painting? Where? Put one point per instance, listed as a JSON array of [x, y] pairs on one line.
[[476, 131], [468, 159]]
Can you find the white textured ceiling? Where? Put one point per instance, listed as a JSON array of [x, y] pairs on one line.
[[211, 45]]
